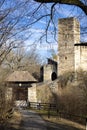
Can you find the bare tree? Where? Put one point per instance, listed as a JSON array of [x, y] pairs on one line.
[[18, 21], [12, 25], [22, 60], [49, 12], [79, 3]]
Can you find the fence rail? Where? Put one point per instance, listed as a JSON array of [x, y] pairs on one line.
[[52, 110], [44, 106]]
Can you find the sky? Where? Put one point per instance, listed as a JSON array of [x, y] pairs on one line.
[[44, 48], [35, 34]]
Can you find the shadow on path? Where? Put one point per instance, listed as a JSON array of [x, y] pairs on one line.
[[59, 126], [29, 121]]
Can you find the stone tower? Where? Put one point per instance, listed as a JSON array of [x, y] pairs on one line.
[[49, 71], [68, 35]]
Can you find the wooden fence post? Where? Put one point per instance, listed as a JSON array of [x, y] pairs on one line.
[[49, 111], [86, 123], [39, 106], [28, 104]]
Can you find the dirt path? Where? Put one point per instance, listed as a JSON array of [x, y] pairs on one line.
[[30, 120], [58, 126], [62, 124]]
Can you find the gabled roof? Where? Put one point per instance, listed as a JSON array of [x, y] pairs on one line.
[[20, 76]]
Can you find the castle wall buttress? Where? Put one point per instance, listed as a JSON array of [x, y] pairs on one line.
[[69, 34]]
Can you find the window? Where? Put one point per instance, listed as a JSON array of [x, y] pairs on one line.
[[65, 57], [53, 76]]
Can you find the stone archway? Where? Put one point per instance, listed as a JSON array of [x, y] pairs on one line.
[[53, 76]]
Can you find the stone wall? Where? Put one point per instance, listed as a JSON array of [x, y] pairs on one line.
[[69, 34], [81, 57], [48, 91], [32, 93], [44, 94], [8, 93], [77, 57], [47, 72], [83, 53]]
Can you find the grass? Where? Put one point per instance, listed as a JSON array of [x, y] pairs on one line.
[[14, 122], [52, 123], [55, 123]]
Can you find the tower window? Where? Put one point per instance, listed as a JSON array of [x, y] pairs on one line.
[[53, 76], [65, 58]]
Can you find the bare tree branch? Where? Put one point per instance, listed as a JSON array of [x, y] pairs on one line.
[[77, 3]]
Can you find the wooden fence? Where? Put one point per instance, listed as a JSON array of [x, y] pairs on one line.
[[52, 110], [44, 106]]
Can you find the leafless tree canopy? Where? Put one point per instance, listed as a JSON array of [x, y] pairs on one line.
[[21, 60], [18, 19], [53, 7], [21, 20]]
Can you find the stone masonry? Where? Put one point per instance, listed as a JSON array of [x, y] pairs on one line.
[[69, 34], [72, 54]]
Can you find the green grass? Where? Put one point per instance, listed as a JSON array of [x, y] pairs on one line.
[[46, 112]]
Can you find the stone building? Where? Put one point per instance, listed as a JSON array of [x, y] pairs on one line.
[[21, 87], [49, 71], [72, 54]]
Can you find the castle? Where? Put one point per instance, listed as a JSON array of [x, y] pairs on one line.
[[72, 54]]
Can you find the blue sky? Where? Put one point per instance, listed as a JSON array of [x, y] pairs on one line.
[[63, 11], [34, 32]]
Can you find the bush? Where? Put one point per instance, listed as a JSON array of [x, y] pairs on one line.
[[74, 94], [5, 106]]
